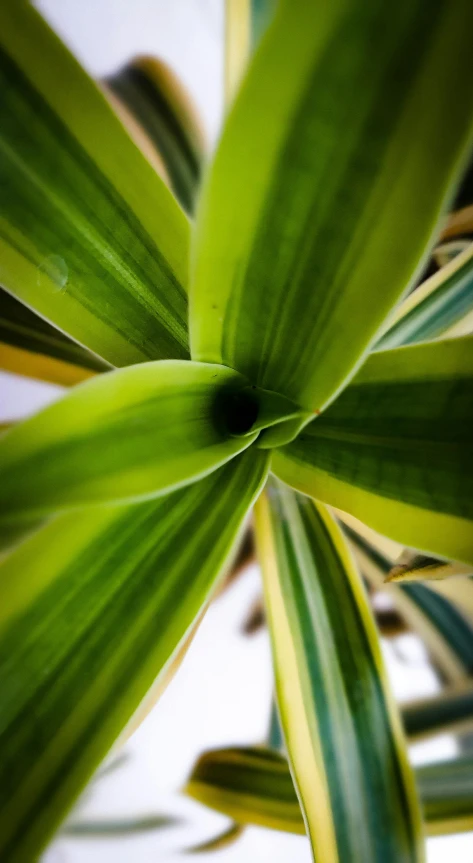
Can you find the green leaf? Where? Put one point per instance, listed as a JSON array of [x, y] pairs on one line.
[[130, 434], [90, 237], [22, 328], [395, 449], [457, 590], [327, 186], [108, 827], [342, 733], [451, 710], [255, 786], [158, 101], [92, 609], [31, 347], [446, 631], [447, 795], [438, 304]]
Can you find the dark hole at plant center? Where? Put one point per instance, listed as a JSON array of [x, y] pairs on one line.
[[236, 410]]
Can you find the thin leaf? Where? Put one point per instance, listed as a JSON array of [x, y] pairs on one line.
[[437, 305], [395, 449], [222, 840], [90, 237], [158, 101], [32, 341], [412, 566], [447, 795], [296, 264], [446, 631], [451, 710], [107, 827], [255, 785], [92, 610], [341, 729], [131, 434]]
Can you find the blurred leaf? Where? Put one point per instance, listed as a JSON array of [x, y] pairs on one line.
[[459, 223], [159, 103], [93, 609], [334, 92], [107, 828], [447, 795], [412, 566], [342, 732], [130, 434], [90, 237], [446, 632], [222, 840], [255, 786], [395, 448], [438, 304], [30, 346], [451, 710]]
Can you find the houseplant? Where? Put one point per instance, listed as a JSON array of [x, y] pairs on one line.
[[122, 503]]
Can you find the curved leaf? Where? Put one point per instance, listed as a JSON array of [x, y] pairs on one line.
[[438, 304], [131, 434], [326, 188], [157, 100], [92, 610], [342, 733], [395, 449], [446, 631], [90, 237], [255, 786]]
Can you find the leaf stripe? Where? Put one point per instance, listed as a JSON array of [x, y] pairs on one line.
[[254, 786], [347, 711], [435, 306], [66, 694], [89, 205]]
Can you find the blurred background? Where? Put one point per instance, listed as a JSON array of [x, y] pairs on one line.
[[222, 693]]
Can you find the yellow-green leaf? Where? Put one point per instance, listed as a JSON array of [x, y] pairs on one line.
[[93, 609]]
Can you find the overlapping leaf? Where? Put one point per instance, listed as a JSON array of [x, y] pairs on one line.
[[127, 435], [327, 186], [342, 733], [157, 100], [92, 609], [90, 237], [255, 786], [440, 303], [446, 631], [30, 346], [395, 448]]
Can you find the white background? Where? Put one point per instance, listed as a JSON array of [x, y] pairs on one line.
[[222, 693]]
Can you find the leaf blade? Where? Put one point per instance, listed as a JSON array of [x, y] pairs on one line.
[[126, 435], [436, 306], [312, 113], [255, 785], [343, 745], [120, 577], [89, 235], [394, 449]]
